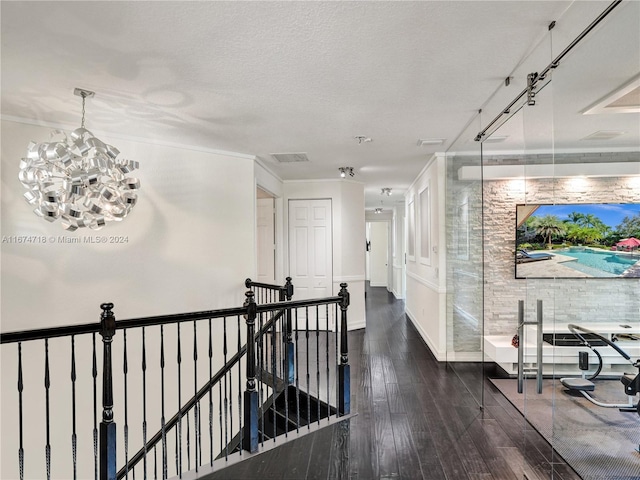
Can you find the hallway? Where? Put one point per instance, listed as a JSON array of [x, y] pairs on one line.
[[415, 420]]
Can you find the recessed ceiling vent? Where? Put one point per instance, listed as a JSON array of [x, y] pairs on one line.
[[625, 99], [290, 157], [604, 135]]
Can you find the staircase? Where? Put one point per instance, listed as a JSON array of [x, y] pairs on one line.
[[292, 411], [291, 376]]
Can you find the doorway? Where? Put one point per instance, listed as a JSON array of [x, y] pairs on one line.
[[265, 236], [378, 246]]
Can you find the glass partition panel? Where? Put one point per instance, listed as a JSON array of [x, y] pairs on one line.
[[561, 210], [464, 260], [596, 129]]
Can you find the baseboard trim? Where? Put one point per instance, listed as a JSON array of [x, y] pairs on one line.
[[440, 356]]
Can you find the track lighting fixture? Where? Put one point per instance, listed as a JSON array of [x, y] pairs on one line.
[[346, 170], [378, 210]]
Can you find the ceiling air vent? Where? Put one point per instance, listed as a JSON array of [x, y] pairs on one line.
[[604, 135], [290, 157]]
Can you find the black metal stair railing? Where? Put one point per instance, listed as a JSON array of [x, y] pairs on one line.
[[271, 368]]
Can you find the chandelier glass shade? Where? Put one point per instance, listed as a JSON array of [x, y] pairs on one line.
[[78, 179]]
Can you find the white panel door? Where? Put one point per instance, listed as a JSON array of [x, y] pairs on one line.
[[379, 255], [310, 250], [266, 240]]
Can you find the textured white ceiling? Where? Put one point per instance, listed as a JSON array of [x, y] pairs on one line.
[[272, 77]]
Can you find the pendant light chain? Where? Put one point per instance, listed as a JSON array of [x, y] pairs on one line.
[[84, 96]]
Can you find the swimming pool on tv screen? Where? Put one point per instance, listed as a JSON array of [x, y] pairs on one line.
[[602, 261]]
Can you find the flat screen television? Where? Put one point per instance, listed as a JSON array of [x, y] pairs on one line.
[[587, 240]]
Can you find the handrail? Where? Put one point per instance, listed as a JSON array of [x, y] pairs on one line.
[[68, 330]]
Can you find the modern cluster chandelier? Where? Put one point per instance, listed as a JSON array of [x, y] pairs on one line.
[[346, 170], [77, 178]]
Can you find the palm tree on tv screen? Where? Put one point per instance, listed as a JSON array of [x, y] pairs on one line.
[[548, 227]]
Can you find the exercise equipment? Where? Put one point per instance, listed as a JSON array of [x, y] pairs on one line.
[[584, 385]]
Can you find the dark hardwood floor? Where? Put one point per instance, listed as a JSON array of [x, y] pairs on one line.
[[415, 420]]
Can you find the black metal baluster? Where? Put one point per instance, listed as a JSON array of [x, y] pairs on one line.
[[226, 398], [337, 359], [177, 456], [328, 370], [220, 415], [297, 373], [273, 378], [285, 371], [306, 335], [179, 431], [144, 400], [250, 433], [107, 425], [210, 396], [47, 384], [155, 462], [230, 394], [94, 373], [318, 358], [261, 372], [196, 411], [125, 369], [188, 442], [74, 444], [20, 389], [344, 369], [239, 383], [162, 419]]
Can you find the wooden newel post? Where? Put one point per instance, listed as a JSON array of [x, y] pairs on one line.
[[250, 439], [107, 425], [344, 370], [285, 294]]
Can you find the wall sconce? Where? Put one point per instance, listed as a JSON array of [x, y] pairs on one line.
[[386, 191], [346, 170]]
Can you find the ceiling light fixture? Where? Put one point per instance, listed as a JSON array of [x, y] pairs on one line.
[[362, 139], [386, 191], [346, 170], [78, 178], [378, 210], [423, 142]]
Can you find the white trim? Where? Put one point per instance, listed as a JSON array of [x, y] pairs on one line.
[[548, 170], [349, 278], [356, 326], [440, 356], [39, 123], [311, 180], [398, 266], [427, 283], [464, 357], [262, 163], [427, 188], [397, 295], [378, 284], [433, 158]]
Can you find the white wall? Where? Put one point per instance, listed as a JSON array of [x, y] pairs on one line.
[[348, 235], [190, 243], [188, 246], [425, 279]]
